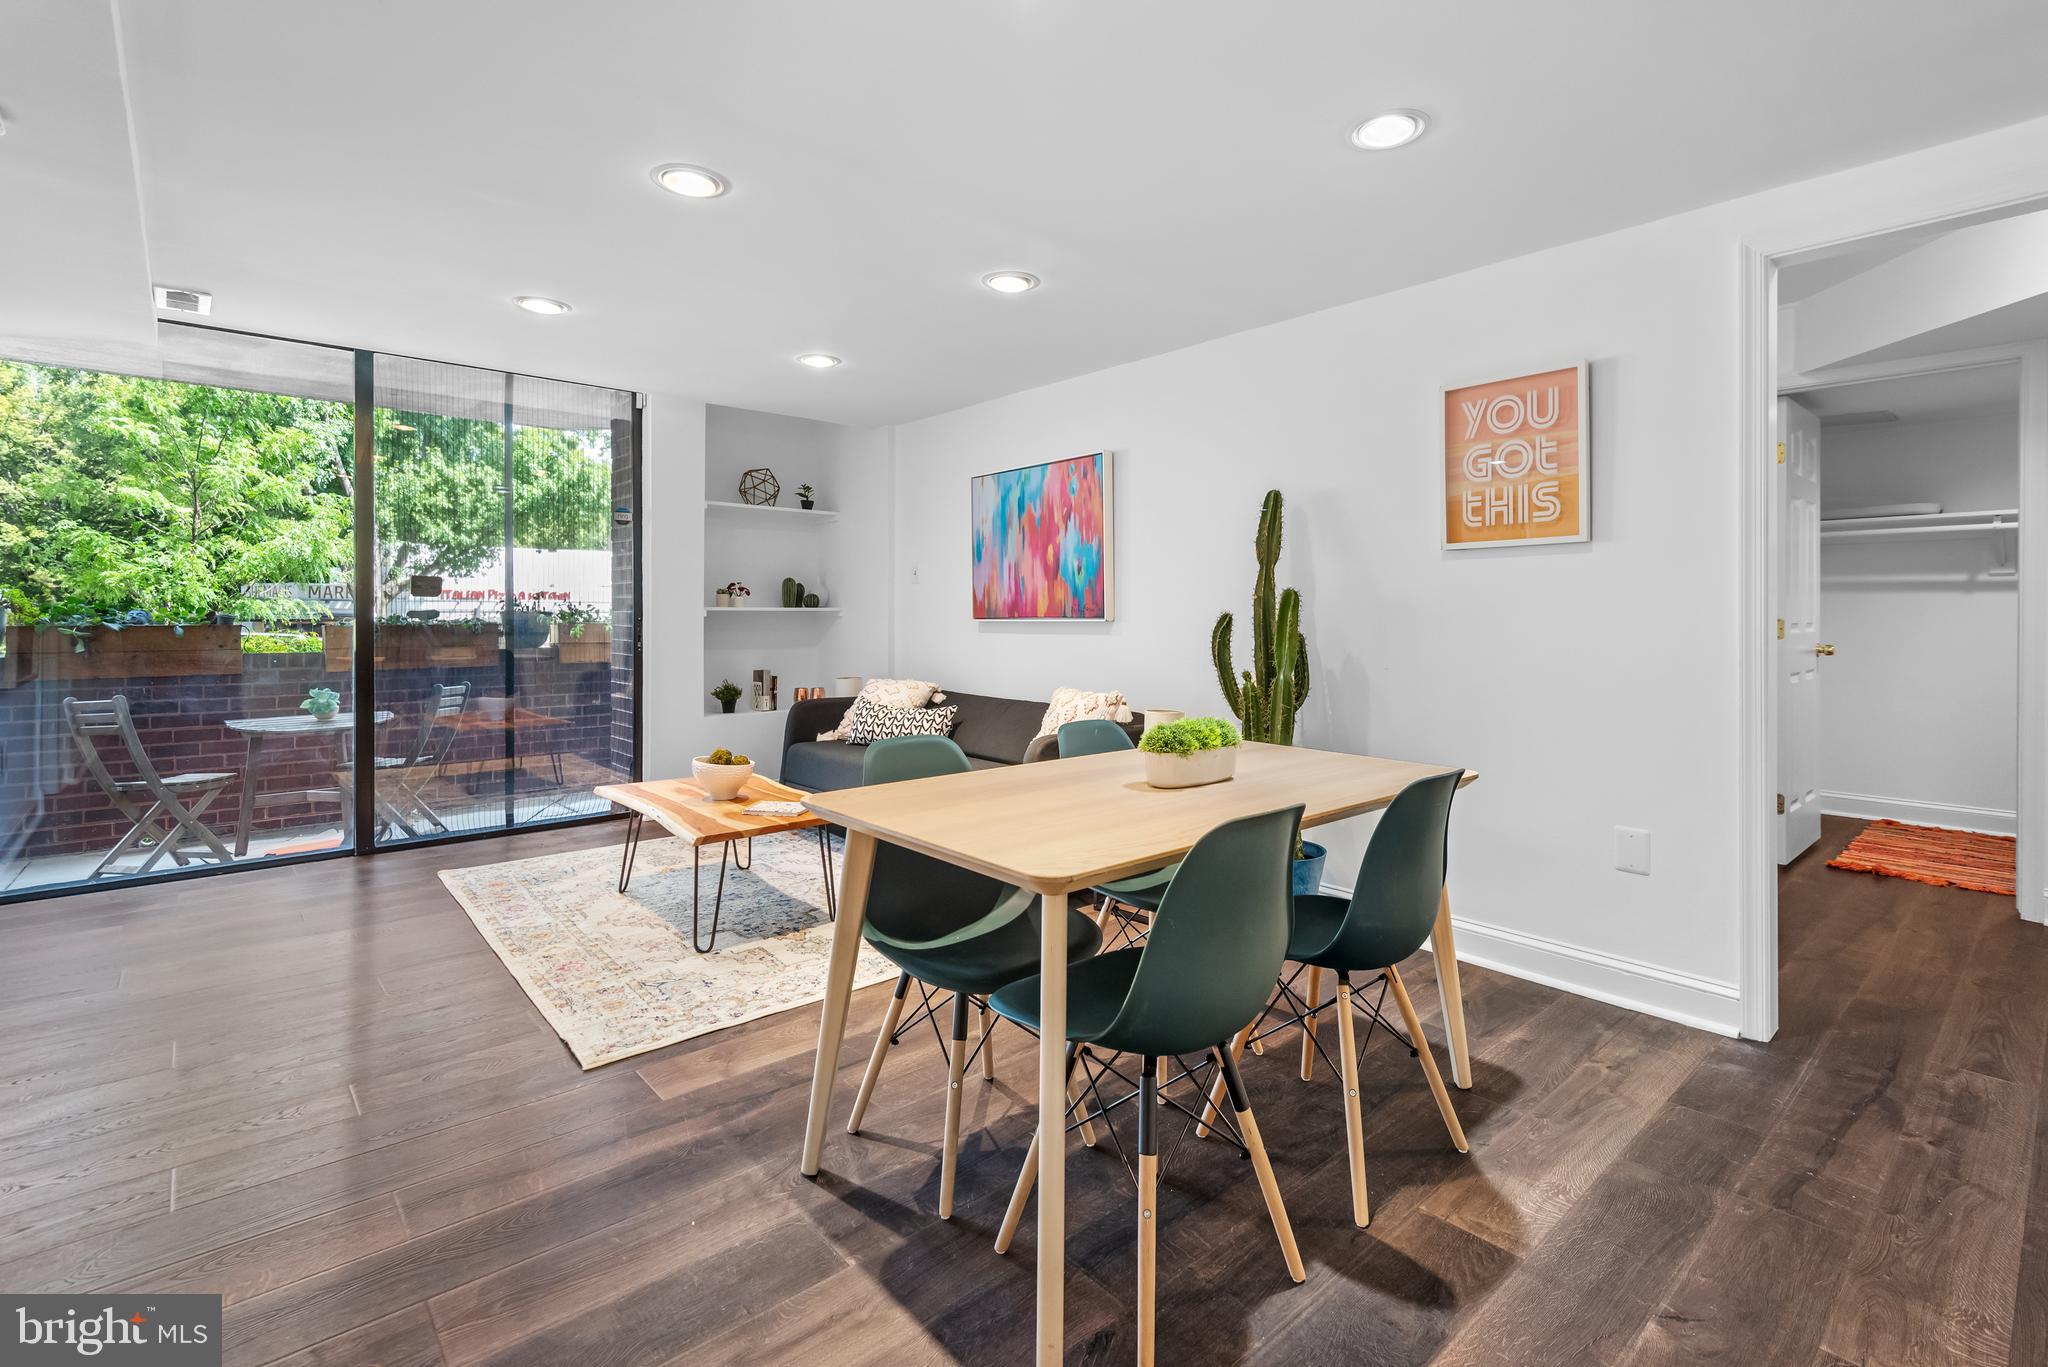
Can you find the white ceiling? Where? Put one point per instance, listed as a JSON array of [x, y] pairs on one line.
[[389, 174]]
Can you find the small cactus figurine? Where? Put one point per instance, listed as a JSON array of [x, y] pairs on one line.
[[1268, 694], [810, 600], [792, 593]]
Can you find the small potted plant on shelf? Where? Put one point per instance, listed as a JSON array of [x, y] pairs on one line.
[[733, 595], [721, 774], [1190, 753], [322, 703], [727, 694], [804, 493]]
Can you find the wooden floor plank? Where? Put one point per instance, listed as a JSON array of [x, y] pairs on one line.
[[1870, 1187]]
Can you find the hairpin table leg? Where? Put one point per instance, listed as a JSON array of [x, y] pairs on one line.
[[718, 899], [632, 848]]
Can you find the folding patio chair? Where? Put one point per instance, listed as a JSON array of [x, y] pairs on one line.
[[412, 773], [164, 812]]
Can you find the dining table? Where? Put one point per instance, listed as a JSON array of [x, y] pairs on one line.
[[1061, 827]]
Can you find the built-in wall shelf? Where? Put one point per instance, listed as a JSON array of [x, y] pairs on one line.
[[761, 513], [771, 612]]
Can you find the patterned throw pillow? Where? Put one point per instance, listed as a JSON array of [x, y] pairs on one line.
[[887, 693], [1075, 704], [869, 722]]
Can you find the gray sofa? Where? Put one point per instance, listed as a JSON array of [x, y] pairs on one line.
[[993, 732]]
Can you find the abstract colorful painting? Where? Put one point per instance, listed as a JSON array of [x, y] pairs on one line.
[[1042, 541]]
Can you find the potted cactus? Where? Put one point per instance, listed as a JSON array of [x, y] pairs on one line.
[[1266, 697]]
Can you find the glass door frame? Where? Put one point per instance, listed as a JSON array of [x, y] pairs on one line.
[[362, 661]]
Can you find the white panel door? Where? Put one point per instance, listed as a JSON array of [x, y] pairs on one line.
[[1799, 644]]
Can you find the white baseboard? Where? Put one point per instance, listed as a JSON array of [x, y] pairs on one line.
[[1702, 1003], [1988, 820]]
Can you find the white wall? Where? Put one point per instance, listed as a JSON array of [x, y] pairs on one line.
[[672, 574], [1590, 685], [1919, 708]]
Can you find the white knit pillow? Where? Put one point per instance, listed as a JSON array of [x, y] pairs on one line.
[[1076, 704], [887, 693]]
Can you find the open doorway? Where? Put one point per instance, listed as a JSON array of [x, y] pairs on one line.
[[1898, 392]]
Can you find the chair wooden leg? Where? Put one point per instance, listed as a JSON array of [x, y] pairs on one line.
[[988, 1052], [1308, 1027], [1029, 1173], [1019, 1197], [1214, 1105], [882, 1043], [1240, 1103], [1354, 1118], [1148, 1210], [1422, 1051], [949, 1160]]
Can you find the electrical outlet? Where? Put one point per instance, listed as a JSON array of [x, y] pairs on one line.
[[1631, 849]]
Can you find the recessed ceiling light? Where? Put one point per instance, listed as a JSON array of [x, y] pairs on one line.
[[1395, 128], [534, 303], [817, 360], [691, 182], [1010, 282]]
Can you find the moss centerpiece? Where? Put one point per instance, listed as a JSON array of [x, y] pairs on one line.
[[1190, 752]]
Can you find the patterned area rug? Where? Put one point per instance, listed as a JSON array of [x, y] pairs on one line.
[[615, 975], [1930, 854]]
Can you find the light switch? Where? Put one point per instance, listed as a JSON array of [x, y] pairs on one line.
[[1631, 849]]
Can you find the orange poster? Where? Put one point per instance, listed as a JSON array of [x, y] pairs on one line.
[[1515, 461]]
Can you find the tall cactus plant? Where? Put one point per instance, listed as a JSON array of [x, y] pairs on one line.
[[1266, 696]]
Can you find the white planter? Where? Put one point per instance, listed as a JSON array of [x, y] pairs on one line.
[[721, 600], [720, 782], [1191, 771], [846, 685]]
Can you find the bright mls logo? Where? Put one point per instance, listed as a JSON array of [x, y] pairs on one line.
[[168, 1331]]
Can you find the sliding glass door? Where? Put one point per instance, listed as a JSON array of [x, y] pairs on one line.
[[271, 600], [502, 637]]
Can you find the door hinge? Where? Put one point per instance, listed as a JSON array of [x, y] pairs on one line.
[[1781, 804], [1781, 628], [1781, 453]]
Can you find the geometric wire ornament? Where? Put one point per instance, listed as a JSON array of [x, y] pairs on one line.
[[760, 487]]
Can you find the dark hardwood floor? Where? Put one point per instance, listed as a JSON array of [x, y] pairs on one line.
[[315, 1091]]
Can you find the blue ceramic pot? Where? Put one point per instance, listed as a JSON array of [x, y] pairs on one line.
[[1308, 870]]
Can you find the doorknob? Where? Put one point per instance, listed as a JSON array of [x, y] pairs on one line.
[[1824, 650]]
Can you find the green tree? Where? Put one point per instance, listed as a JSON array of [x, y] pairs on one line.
[[118, 492]]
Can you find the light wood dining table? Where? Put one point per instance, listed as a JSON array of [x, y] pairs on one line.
[[1056, 828]]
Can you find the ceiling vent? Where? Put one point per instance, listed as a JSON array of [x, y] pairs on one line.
[[183, 301], [1869, 419]]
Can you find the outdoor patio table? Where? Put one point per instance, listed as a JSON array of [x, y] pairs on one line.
[[255, 730]]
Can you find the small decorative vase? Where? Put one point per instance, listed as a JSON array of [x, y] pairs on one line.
[[1191, 771], [720, 782], [1308, 870]]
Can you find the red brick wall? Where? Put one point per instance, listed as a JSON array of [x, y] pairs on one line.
[[49, 803]]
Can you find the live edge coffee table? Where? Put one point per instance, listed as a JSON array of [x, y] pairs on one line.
[[686, 811]]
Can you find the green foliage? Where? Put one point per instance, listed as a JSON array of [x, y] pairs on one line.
[[727, 691], [280, 643], [321, 702], [573, 618], [1266, 696], [811, 600], [1189, 735], [118, 492]]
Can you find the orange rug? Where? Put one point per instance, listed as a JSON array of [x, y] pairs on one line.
[[1930, 854]]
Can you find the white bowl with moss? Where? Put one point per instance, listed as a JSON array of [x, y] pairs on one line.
[[1190, 753], [722, 774]]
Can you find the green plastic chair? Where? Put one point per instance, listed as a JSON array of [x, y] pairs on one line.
[[1392, 909], [1131, 901], [949, 929], [1217, 943]]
